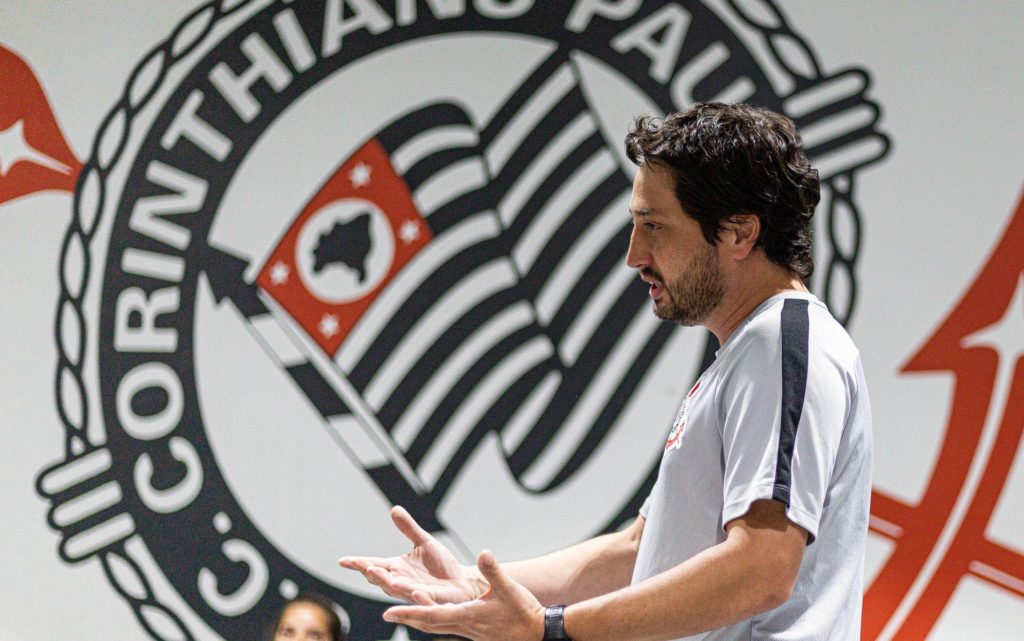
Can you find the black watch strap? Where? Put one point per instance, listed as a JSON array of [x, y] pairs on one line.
[[554, 624]]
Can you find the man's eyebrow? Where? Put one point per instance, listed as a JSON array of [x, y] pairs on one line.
[[640, 212]]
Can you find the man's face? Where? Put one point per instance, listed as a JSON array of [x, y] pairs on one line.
[[668, 248]]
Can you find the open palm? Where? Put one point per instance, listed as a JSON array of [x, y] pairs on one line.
[[430, 570]]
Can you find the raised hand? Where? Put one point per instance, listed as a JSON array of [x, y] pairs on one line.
[[430, 570], [507, 611]]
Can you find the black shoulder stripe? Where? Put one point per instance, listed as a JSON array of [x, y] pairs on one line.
[[795, 326]]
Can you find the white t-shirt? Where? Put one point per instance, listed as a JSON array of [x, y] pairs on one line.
[[782, 414]]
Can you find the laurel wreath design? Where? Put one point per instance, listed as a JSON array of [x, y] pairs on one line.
[[123, 570], [794, 55]]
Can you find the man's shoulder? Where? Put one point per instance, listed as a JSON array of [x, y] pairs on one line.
[[793, 318]]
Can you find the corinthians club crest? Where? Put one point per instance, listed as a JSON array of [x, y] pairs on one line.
[[328, 257]]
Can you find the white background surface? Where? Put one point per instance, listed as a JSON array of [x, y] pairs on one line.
[[948, 75]]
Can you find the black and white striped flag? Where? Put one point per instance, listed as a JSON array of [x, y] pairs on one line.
[[520, 317], [510, 312]]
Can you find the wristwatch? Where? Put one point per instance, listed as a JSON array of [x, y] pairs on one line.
[[554, 624]]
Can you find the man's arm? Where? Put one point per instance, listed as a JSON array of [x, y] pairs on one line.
[[752, 571], [582, 571]]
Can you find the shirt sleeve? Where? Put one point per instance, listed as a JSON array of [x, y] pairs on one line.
[[782, 408], [645, 507]]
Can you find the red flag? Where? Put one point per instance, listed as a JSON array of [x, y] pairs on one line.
[[355, 234], [34, 156]]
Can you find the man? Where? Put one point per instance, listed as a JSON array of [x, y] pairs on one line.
[[755, 528]]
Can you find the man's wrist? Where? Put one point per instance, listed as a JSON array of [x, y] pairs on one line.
[[554, 624]]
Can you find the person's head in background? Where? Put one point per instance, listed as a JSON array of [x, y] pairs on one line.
[[308, 617]]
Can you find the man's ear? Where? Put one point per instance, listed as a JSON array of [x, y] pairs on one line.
[[740, 233]]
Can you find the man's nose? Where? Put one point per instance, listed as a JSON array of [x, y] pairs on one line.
[[637, 255]]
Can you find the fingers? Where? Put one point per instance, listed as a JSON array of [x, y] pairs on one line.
[[493, 572], [374, 570], [358, 563], [420, 597], [439, 619], [392, 585], [379, 577], [408, 526], [506, 611], [378, 573]]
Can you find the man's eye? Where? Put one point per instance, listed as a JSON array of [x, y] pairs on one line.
[[651, 226]]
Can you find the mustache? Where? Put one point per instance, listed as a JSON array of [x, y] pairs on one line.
[[651, 274]]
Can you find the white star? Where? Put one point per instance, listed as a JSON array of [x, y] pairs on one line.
[[409, 231], [279, 273], [14, 149], [360, 175], [328, 325]]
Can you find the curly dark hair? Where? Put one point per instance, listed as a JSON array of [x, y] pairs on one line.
[[737, 159]]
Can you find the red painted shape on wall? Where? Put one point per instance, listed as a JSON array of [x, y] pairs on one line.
[[34, 155], [943, 538]]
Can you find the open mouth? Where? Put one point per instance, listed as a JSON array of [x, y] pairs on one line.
[[655, 283]]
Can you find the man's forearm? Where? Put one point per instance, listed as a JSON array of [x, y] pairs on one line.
[[752, 571], [582, 571]]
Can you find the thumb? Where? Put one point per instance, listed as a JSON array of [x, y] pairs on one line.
[[408, 526], [493, 572]]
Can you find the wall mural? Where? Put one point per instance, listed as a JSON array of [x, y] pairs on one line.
[[328, 257]]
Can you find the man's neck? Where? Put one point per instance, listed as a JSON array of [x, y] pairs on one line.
[[745, 294]]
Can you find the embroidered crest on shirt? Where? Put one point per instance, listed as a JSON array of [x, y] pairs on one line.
[[680, 422]]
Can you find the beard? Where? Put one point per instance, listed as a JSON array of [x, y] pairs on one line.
[[691, 296]]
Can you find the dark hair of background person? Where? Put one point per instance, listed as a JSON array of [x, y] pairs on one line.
[[737, 159], [314, 599]]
